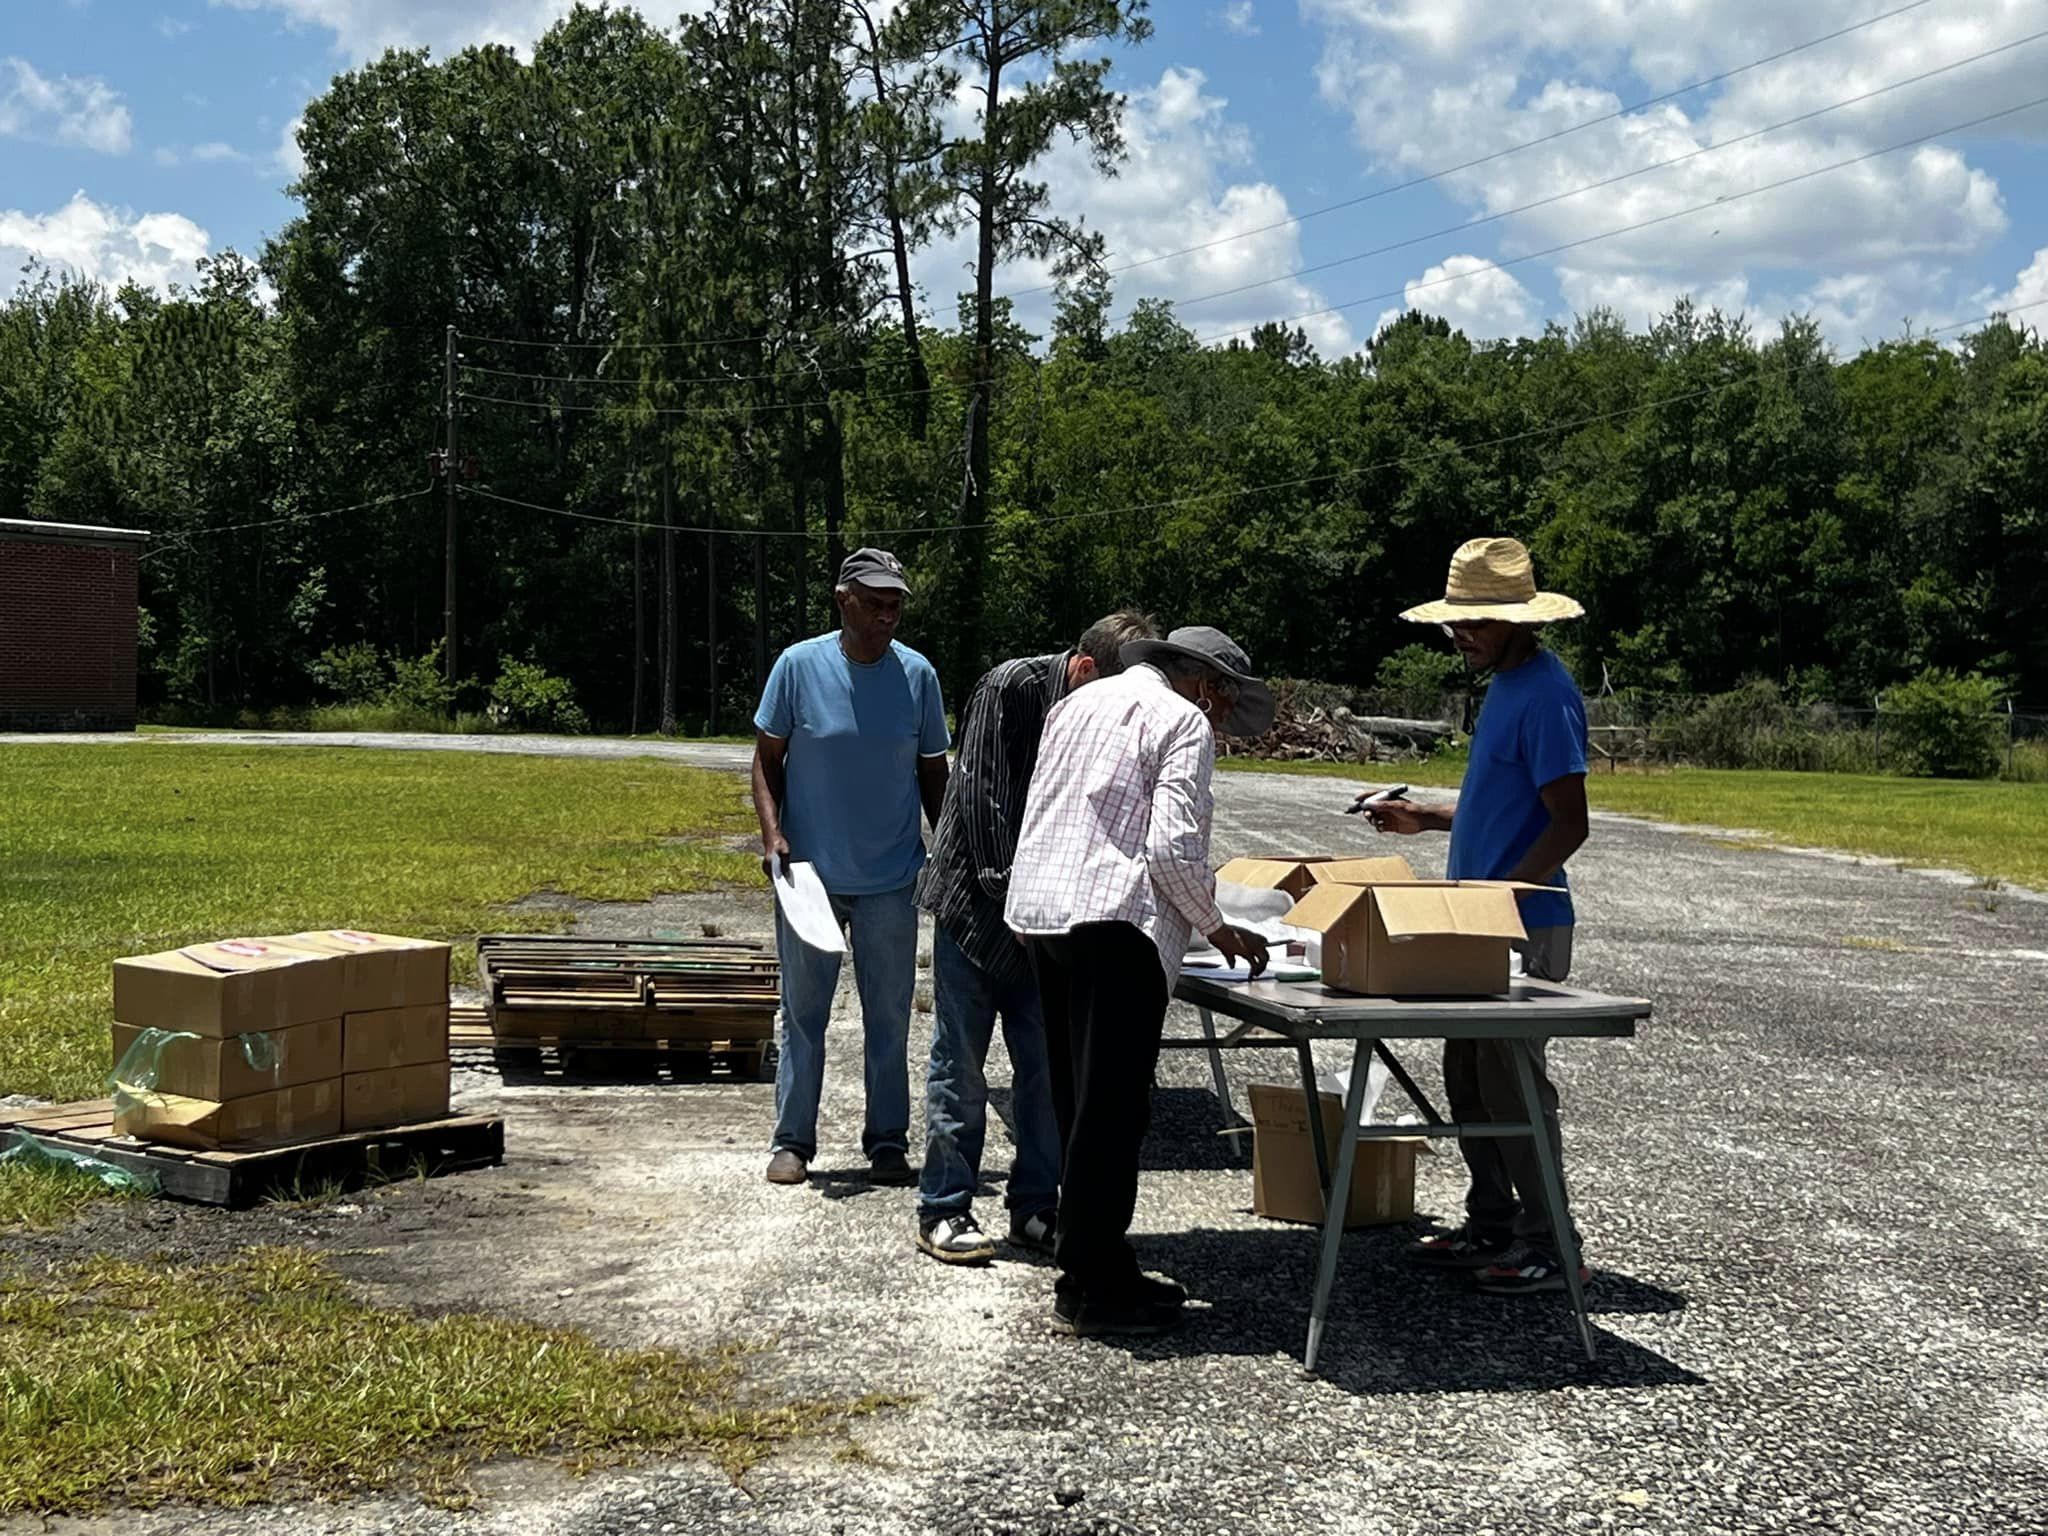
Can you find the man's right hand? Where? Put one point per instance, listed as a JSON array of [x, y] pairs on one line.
[[1237, 944], [774, 846], [1400, 816]]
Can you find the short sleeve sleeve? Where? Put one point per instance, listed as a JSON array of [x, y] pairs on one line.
[[777, 714], [1554, 735], [932, 738]]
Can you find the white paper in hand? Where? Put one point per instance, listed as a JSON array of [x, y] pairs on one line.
[[805, 906]]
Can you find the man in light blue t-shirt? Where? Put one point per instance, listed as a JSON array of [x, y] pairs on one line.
[[849, 744], [1520, 813]]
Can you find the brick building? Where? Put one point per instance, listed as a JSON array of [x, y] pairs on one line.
[[67, 626]]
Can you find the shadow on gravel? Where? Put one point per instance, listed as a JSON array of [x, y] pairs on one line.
[[1184, 1134], [1393, 1329]]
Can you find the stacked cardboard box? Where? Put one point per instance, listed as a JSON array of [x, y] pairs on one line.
[[1385, 933], [275, 1041]]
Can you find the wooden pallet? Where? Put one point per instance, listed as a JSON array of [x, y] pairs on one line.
[[472, 1043], [241, 1179]]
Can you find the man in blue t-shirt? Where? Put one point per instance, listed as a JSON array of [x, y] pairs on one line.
[[1519, 815], [849, 744]]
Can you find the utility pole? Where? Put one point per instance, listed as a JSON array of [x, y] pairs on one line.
[[448, 474]]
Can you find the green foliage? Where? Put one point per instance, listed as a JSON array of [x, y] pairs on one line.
[[1944, 726], [417, 683], [354, 674], [120, 853], [677, 254], [1419, 671], [528, 697]]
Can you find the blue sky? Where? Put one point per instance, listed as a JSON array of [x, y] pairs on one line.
[[139, 135]]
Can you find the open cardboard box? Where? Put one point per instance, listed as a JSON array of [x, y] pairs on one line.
[[1285, 1186], [1392, 870], [1275, 872], [1425, 938]]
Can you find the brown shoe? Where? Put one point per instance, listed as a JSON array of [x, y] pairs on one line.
[[785, 1167]]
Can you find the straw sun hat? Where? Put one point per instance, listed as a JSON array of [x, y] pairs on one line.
[[1493, 579]]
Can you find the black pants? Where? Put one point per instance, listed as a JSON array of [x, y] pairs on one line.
[[1105, 1006]]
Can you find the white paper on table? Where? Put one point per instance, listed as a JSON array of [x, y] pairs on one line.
[[805, 906]]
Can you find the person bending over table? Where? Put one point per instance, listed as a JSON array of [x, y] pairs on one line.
[[1111, 873], [1520, 813]]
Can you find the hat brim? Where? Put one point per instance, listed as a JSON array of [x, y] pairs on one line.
[[1252, 715], [878, 581], [1543, 608]]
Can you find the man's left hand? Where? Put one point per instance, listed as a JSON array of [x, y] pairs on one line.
[[1237, 944]]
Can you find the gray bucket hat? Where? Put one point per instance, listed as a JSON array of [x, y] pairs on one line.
[[1253, 713]]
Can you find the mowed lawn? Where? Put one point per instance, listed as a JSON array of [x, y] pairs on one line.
[[1995, 830], [108, 851]]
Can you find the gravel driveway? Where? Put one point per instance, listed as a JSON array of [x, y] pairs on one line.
[[1811, 1189]]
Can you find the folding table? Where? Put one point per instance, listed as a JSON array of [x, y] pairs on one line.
[[1298, 1014]]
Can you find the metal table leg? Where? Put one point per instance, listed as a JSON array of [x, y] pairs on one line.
[[1338, 1202], [1314, 1101], [1553, 1189], [1216, 1064]]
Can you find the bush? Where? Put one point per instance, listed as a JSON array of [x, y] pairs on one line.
[[417, 685], [354, 674], [1420, 671], [528, 697], [1943, 726]]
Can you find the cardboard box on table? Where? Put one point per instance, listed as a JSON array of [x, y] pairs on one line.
[[1275, 873], [1285, 1185], [1392, 870], [1422, 939]]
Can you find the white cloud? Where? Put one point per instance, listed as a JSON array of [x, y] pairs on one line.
[[1237, 17], [1476, 297], [2029, 288], [1641, 298], [173, 26], [216, 151], [1186, 183], [363, 29], [288, 159], [1433, 83], [105, 244], [83, 113]]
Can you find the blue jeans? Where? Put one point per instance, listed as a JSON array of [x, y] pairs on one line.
[[882, 930], [966, 1001]]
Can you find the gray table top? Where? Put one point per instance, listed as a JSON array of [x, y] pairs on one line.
[[1306, 1010]]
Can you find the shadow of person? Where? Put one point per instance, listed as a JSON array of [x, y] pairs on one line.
[[1393, 1328]]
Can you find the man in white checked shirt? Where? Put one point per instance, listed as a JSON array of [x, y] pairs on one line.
[[1111, 876]]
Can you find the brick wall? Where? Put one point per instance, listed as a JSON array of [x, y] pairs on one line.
[[67, 636]]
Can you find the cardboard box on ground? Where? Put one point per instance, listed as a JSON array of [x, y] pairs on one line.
[[1285, 1184], [300, 1037]]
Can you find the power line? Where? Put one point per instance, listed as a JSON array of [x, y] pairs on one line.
[[1595, 186], [187, 535], [1244, 234], [1629, 229], [689, 410], [622, 378], [1229, 493], [1500, 154], [1413, 240]]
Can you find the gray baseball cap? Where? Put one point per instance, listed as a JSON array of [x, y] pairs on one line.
[[872, 568], [1252, 715]]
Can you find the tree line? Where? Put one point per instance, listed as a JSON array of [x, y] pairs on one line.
[[693, 369]]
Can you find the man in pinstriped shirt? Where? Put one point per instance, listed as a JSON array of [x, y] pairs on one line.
[[1111, 876], [979, 968]]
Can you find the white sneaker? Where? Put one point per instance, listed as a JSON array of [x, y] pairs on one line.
[[956, 1240]]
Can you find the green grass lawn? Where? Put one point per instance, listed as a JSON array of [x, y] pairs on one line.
[[111, 852], [261, 1378], [1994, 829]]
